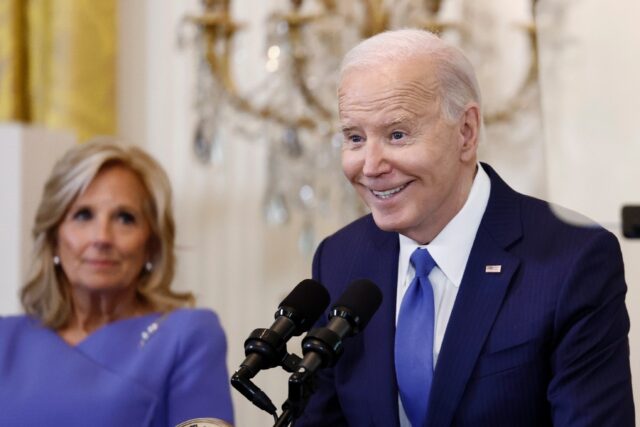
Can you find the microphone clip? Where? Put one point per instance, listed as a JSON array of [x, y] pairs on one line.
[[262, 346], [268, 344]]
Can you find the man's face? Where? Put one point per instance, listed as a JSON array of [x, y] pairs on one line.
[[409, 165]]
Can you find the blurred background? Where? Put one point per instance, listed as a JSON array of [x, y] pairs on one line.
[[236, 99]]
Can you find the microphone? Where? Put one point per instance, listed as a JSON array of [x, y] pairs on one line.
[[322, 347], [267, 348]]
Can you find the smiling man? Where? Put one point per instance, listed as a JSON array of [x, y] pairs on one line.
[[495, 311]]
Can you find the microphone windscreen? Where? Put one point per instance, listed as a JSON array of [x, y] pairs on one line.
[[308, 299], [362, 298]]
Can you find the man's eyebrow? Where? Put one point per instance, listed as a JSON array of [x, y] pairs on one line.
[[394, 122], [400, 119], [347, 128]]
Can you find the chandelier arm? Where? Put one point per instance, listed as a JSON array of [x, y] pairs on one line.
[[433, 6], [519, 101], [376, 19], [219, 23], [299, 62], [434, 24]]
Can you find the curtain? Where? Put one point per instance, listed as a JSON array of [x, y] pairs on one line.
[[58, 64]]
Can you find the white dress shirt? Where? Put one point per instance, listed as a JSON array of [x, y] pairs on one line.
[[450, 249]]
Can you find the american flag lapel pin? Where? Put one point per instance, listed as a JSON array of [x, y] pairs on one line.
[[493, 269]]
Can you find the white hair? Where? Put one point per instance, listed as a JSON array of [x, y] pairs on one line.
[[457, 80]]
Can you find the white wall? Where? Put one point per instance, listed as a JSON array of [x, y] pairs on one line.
[[27, 154], [591, 100], [242, 269]]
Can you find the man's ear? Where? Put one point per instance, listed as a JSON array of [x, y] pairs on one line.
[[469, 131]]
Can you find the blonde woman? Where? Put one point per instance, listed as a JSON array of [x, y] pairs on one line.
[[105, 341]]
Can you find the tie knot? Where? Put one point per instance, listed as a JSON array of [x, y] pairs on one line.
[[422, 262]]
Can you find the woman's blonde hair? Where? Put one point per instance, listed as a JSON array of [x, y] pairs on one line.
[[46, 293]]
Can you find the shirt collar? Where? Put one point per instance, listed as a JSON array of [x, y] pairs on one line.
[[451, 247]]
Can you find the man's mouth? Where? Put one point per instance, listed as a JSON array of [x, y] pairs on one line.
[[388, 193]]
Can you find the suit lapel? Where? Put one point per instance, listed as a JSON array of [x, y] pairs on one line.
[[478, 302], [382, 268]]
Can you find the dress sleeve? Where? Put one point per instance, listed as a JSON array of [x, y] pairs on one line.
[[199, 384]]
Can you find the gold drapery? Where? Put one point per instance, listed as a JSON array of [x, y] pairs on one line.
[[58, 64]]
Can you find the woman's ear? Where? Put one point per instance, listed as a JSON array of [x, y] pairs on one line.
[[153, 245]]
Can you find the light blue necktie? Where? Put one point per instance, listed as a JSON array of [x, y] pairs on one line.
[[414, 340]]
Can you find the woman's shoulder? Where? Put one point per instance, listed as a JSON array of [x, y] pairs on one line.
[[21, 331], [17, 322], [195, 323], [191, 316]]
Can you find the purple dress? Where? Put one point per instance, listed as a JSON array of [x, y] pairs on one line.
[[151, 370]]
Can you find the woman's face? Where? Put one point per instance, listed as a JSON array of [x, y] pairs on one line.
[[103, 240]]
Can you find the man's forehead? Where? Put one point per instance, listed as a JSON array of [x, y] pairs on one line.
[[409, 80], [397, 99], [407, 69]]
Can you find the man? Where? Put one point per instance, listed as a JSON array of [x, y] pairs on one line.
[[521, 314]]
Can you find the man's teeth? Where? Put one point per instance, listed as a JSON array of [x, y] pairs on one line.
[[388, 193]]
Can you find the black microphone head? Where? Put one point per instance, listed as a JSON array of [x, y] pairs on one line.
[[304, 304], [358, 303]]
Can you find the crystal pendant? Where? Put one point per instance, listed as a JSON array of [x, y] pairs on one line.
[[306, 239], [201, 145], [307, 196], [206, 144], [291, 142], [275, 210]]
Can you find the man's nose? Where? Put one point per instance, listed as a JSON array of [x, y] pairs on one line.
[[375, 160]]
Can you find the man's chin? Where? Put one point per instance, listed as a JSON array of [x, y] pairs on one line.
[[386, 223]]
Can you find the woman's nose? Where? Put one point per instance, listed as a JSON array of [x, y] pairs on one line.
[[102, 233]]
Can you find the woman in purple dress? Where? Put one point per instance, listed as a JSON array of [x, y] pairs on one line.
[[105, 340]]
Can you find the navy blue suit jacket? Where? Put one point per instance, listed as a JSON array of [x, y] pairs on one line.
[[544, 342]]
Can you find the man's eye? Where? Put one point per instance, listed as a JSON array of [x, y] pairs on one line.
[[83, 214], [397, 135], [126, 218], [355, 139]]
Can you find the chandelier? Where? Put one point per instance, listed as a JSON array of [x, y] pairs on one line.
[[294, 110]]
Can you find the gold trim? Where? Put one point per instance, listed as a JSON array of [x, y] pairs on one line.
[[204, 422]]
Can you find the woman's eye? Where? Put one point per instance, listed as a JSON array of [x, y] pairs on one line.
[[397, 135], [126, 218], [83, 214]]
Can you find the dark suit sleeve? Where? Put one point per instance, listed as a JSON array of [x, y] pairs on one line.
[[323, 408], [591, 378]]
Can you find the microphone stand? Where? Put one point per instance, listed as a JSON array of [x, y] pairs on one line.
[[300, 390], [301, 387], [263, 342]]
